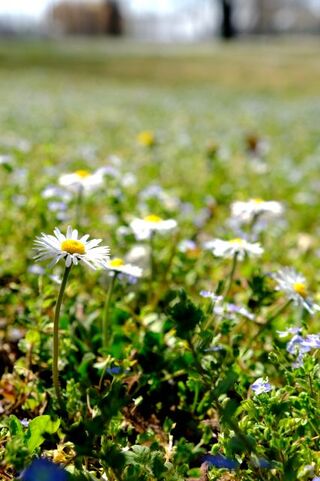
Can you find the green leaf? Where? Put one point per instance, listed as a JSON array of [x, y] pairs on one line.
[[15, 426], [37, 428], [185, 315]]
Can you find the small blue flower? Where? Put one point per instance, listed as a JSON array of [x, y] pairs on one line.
[[114, 370], [42, 469], [220, 461], [264, 463], [261, 385]]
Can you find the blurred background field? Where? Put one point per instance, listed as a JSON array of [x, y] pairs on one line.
[[74, 102]]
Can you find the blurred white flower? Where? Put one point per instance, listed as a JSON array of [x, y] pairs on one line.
[[139, 255], [247, 212], [228, 249], [143, 228], [128, 179], [119, 265], [6, 159], [82, 180]]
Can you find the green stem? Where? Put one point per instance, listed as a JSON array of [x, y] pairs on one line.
[[266, 324], [79, 206], [231, 275], [152, 263], [105, 319], [55, 370]]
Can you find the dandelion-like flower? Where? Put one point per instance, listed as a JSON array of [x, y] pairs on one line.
[[119, 265], [294, 286], [71, 249], [247, 211], [146, 138], [261, 385], [143, 228], [82, 180], [230, 248]]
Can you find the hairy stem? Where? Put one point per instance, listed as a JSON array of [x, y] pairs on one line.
[[106, 311], [231, 275], [55, 370]]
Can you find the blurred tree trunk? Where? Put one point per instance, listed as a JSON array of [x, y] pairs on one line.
[[227, 26], [114, 20]]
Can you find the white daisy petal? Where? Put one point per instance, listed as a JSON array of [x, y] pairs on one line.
[[69, 232], [119, 265], [143, 228], [72, 250]]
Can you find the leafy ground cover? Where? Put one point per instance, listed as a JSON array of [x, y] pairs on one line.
[[193, 353]]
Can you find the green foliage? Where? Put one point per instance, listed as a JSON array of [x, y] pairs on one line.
[[185, 315]]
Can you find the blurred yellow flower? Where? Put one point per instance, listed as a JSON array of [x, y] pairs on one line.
[[146, 138]]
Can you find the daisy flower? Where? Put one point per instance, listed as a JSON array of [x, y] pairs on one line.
[[293, 285], [119, 265], [230, 248], [143, 228], [82, 180], [248, 211], [71, 249]]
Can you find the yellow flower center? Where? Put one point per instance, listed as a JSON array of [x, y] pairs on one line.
[[153, 218], [73, 246], [237, 241], [117, 262], [83, 173], [258, 200], [300, 288]]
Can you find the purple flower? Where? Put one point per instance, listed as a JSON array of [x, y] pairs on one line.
[[290, 330], [295, 346], [24, 422], [300, 345], [261, 385], [42, 469], [228, 308], [312, 341], [211, 295]]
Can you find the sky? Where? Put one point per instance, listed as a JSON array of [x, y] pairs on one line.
[[36, 8]]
